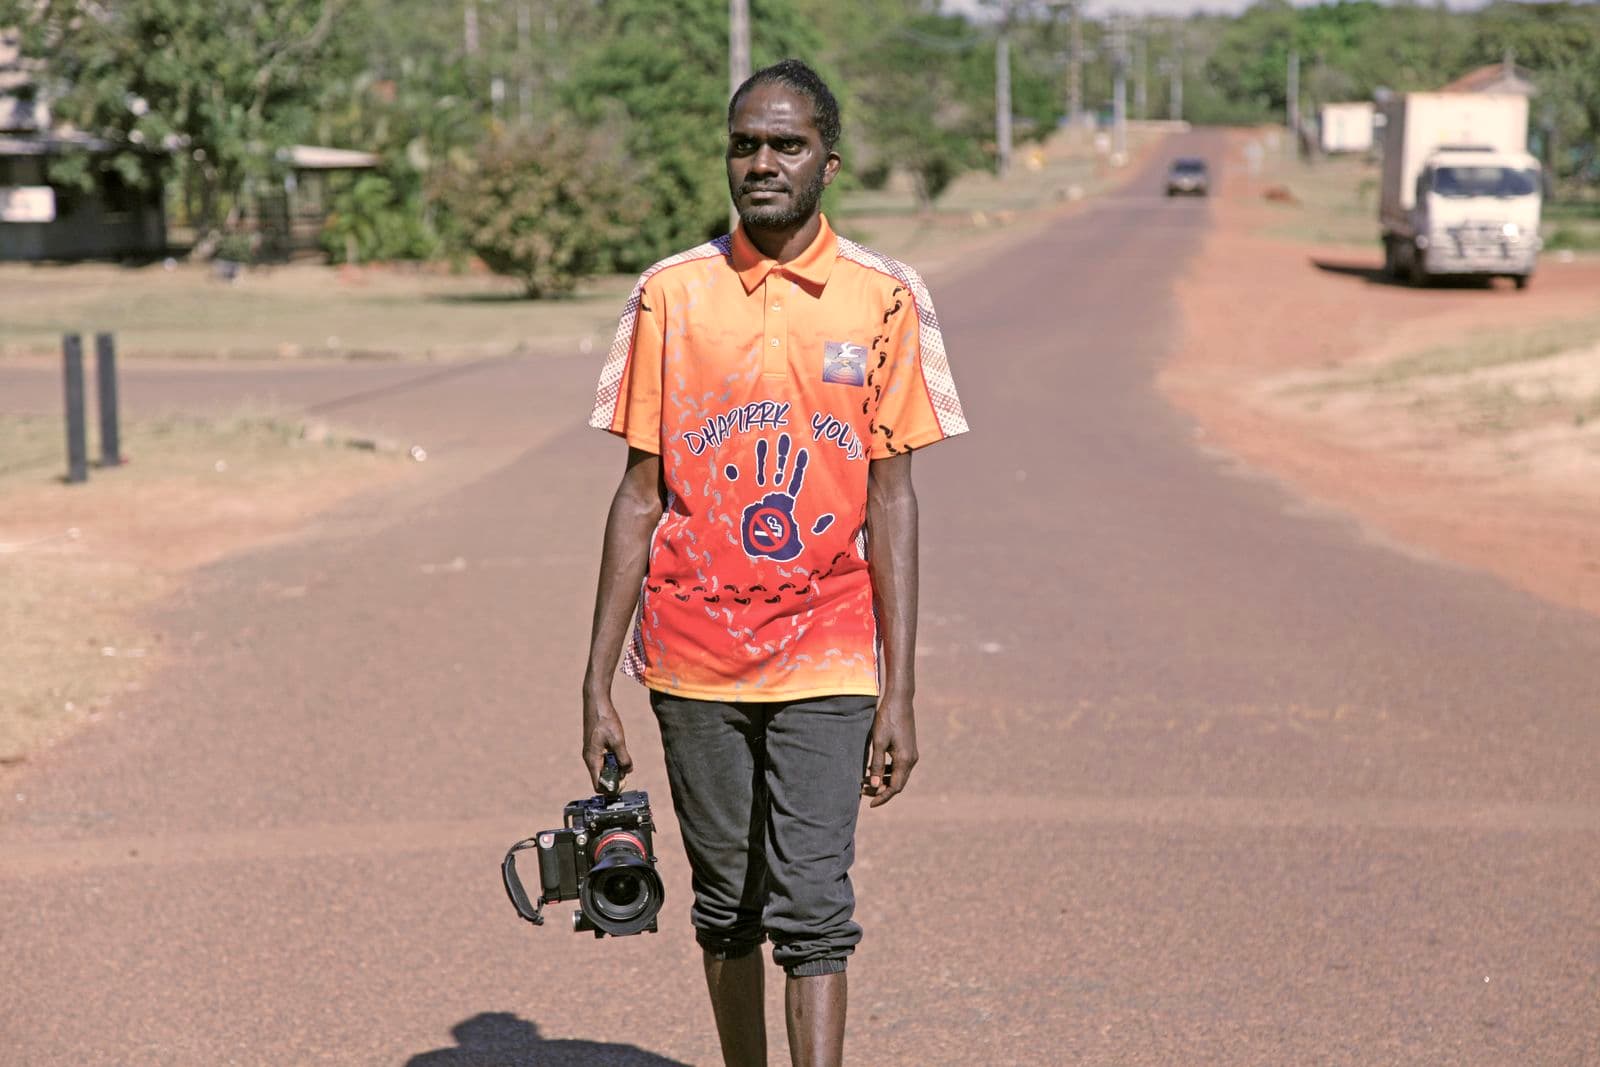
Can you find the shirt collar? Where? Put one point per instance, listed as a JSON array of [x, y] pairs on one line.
[[812, 266]]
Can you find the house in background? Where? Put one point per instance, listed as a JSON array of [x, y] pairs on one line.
[[290, 221], [1347, 127], [1502, 77], [44, 221]]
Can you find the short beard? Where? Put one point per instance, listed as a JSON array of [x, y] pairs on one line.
[[802, 205]]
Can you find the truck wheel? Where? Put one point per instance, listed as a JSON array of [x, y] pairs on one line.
[[1390, 268], [1417, 274], [1520, 281]]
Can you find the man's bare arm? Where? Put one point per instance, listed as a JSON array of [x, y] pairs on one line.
[[636, 508], [892, 541]]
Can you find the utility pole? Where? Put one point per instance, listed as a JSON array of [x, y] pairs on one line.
[[469, 29], [738, 44], [1119, 93], [738, 66], [525, 61], [1294, 98], [1075, 76], [1002, 98], [1141, 80], [1175, 97]]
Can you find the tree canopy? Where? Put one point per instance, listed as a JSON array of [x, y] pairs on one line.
[[223, 84], [207, 93]]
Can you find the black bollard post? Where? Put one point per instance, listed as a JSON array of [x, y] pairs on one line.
[[105, 358], [77, 432]]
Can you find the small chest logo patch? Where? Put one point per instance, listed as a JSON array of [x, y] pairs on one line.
[[844, 363]]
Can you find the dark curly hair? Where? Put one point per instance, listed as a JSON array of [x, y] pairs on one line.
[[796, 76]]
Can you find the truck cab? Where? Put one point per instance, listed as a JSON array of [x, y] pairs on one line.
[[1476, 212]]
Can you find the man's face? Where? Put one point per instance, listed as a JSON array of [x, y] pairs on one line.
[[777, 166]]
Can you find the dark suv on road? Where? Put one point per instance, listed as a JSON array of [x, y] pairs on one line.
[[1188, 176]]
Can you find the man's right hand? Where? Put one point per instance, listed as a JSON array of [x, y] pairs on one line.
[[602, 733]]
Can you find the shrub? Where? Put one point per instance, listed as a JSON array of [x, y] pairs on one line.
[[547, 205], [372, 220]]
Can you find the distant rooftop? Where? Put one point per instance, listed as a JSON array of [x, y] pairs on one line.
[[1503, 77], [317, 157]]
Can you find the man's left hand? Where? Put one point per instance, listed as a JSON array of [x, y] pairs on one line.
[[893, 752]]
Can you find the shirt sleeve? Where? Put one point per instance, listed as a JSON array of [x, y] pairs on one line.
[[628, 398], [917, 403]]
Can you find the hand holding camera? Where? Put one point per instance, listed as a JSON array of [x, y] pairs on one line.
[[603, 736], [601, 857]]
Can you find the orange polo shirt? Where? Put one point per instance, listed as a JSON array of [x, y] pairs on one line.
[[767, 388]]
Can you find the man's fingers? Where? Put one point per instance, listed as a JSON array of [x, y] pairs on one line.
[[900, 767], [875, 768], [891, 789], [599, 743]]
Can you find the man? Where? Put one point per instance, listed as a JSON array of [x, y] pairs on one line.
[[772, 386]]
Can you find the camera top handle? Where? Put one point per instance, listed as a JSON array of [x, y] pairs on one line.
[[610, 777], [514, 890]]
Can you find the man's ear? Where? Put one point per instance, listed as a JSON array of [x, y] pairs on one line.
[[830, 169]]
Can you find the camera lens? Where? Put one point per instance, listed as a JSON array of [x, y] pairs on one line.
[[620, 894], [623, 893]]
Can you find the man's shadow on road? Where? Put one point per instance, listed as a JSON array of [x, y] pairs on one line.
[[501, 1039]]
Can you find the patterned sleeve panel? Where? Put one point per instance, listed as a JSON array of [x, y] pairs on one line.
[[917, 404], [628, 398]]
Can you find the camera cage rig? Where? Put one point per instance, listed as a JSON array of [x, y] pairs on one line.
[[547, 841]]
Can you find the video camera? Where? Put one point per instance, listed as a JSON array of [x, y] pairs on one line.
[[600, 857]]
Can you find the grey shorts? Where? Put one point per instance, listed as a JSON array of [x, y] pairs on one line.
[[766, 796]]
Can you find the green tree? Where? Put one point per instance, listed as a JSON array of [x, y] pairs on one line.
[[548, 205], [222, 85], [414, 103], [1249, 67], [915, 86], [1557, 43]]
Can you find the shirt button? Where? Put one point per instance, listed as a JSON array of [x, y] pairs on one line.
[[774, 342], [777, 307]]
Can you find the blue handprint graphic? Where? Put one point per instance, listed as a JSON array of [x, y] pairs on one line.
[[768, 526]]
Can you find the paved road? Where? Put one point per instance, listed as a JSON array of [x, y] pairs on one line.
[[1209, 777]]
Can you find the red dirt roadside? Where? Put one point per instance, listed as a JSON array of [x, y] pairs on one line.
[[1260, 315]]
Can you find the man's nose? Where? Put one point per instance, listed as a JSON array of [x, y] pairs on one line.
[[765, 161]]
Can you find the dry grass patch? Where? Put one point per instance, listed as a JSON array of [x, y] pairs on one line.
[[80, 565], [1523, 403], [299, 311]]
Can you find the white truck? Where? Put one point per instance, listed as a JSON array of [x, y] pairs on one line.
[[1460, 193]]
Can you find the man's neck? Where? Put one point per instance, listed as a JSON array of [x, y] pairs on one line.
[[786, 243]]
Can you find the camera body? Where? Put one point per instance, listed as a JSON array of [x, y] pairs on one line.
[[602, 857]]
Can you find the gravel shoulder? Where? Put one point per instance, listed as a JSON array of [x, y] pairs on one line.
[[1459, 423]]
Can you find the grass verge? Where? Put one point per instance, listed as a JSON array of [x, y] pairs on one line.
[[1480, 352]]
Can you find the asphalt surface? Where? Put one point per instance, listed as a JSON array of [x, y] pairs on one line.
[[1209, 777]]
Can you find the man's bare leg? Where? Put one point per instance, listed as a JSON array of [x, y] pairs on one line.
[[737, 1002], [816, 1010]]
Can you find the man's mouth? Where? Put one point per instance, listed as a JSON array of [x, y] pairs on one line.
[[755, 190]]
